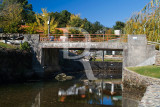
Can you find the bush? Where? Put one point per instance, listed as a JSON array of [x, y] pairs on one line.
[[157, 47], [25, 46]]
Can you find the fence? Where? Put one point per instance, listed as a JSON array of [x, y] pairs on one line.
[[83, 38]]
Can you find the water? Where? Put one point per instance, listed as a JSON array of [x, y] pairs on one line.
[[63, 94], [57, 94]]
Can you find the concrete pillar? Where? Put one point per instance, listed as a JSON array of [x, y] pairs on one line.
[[112, 88], [102, 55], [137, 52], [113, 52]]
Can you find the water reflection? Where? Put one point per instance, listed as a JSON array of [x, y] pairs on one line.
[[92, 93], [37, 101], [62, 94]]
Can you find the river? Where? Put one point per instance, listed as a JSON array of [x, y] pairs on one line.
[[75, 93]]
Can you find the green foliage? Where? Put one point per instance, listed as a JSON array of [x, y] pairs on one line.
[[96, 26], [75, 21], [79, 52], [119, 25], [25, 46], [42, 21], [10, 18], [62, 18], [27, 11], [146, 22], [157, 47], [31, 29], [22, 13], [3, 45]]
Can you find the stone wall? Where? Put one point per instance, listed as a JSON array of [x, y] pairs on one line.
[[152, 97], [134, 79], [157, 58]]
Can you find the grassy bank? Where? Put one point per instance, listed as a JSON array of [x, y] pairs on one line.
[[152, 71], [109, 60], [3, 45]]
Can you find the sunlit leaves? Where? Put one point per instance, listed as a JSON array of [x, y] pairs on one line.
[[11, 18], [42, 21], [146, 22]]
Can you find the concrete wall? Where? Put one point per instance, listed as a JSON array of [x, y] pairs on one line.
[[137, 52], [50, 59], [33, 40]]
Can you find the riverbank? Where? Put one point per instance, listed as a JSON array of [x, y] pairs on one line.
[[15, 65], [135, 80]]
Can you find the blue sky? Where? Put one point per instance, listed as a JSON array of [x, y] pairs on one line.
[[107, 12]]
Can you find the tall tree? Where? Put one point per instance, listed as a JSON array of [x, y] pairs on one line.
[[10, 18], [96, 26], [119, 25], [42, 21], [27, 11], [64, 18], [75, 21], [87, 25]]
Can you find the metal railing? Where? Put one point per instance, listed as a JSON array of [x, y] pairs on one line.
[[84, 38]]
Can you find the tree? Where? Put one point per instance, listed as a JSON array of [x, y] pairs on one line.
[[96, 26], [32, 27], [119, 25], [75, 21], [62, 18], [10, 18], [27, 11], [42, 21], [86, 25]]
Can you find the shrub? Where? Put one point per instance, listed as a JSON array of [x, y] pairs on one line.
[[157, 47], [25, 46]]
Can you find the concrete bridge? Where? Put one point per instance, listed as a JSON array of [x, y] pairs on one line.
[[84, 45], [136, 52]]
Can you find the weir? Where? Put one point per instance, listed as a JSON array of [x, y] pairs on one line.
[[136, 52]]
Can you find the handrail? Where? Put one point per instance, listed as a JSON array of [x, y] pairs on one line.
[[82, 38]]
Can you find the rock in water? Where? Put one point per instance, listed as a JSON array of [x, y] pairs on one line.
[[63, 77], [69, 77]]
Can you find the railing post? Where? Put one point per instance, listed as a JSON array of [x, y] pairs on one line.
[[107, 37]]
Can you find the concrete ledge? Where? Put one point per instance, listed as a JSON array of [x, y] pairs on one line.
[[84, 45], [136, 80]]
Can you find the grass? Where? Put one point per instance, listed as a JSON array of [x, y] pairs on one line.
[[3, 45], [109, 60], [151, 71]]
